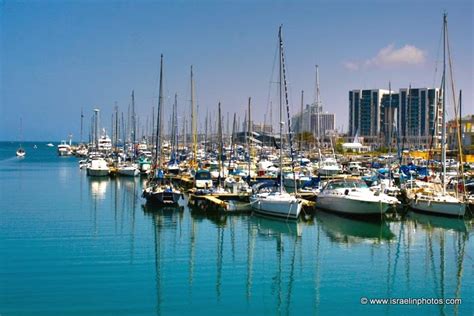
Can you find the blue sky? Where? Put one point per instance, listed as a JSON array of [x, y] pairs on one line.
[[60, 56]]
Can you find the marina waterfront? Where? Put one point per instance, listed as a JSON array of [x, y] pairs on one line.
[[77, 245]]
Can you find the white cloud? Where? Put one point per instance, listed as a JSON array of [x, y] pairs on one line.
[[390, 56], [351, 65]]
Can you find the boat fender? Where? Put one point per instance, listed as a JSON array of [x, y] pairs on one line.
[[346, 192]]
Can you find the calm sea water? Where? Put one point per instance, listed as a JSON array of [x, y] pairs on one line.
[[71, 245]]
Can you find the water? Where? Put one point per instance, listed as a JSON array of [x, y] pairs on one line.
[[71, 245]]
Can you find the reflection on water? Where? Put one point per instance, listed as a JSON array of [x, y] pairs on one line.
[[433, 221], [102, 250], [228, 257], [347, 230], [98, 187]]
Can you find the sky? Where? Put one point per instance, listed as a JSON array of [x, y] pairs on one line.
[[58, 57]]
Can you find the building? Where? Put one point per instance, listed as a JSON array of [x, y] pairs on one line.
[[467, 134], [257, 127], [365, 112], [412, 115], [418, 120], [314, 120]]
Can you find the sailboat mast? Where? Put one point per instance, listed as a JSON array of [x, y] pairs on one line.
[[82, 118], [248, 139], [219, 127], [134, 123], [193, 121], [301, 120], [443, 131], [281, 111], [318, 116], [158, 118]]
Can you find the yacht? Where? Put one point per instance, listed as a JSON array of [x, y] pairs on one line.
[[328, 167], [128, 169], [64, 149], [161, 191], [105, 143], [353, 196], [98, 167], [271, 199]]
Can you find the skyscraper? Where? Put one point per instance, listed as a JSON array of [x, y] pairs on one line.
[[413, 114]]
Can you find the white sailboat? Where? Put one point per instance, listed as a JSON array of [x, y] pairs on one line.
[[438, 201], [276, 201]]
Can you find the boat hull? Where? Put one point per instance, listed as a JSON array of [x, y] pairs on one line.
[[128, 172], [286, 208], [162, 198], [445, 208], [97, 172], [347, 205], [64, 153]]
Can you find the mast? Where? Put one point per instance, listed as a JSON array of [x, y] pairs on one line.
[[82, 118], [283, 76], [390, 116], [158, 118], [281, 110], [134, 127], [206, 121], [443, 131], [318, 116], [193, 122], [96, 140], [234, 130], [219, 127], [116, 126], [301, 120], [249, 126]]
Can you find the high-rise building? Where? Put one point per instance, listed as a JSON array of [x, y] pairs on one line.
[[314, 120], [365, 112], [412, 114]]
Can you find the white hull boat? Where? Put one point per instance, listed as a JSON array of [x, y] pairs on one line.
[[354, 197], [98, 168], [20, 152], [128, 171], [438, 204], [279, 204]]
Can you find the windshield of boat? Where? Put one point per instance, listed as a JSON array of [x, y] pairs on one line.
[[203, 175], [344, 184]]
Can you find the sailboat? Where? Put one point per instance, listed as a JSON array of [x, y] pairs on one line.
[[159, 189], [274, 200], [20, 152], [436, 200]]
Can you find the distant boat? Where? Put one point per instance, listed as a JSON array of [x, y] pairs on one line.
[[20, 152], [64, 149], [34, 146], [50, 145]]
